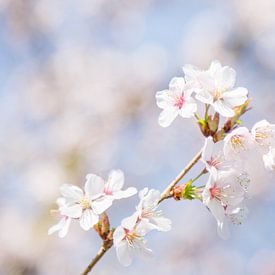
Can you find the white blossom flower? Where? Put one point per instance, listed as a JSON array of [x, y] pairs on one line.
[[175, 101], [84, 205], [238, 143], [147, 212], [129, 241], [63, 225], [264, 134], [213, 157], [114, 185], [221, 194], [216, 87], [269, 159]]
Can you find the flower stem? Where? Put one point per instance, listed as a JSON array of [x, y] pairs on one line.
[[204, 171], [103, 249], [167, 193]]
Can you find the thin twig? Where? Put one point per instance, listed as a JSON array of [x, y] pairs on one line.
[[167, 193], [103, 249]]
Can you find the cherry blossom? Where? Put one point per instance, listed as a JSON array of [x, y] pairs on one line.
[[82, 205], [238, 143], [175, 101], [221, 194], [147, 212], [215, 86], [264, 134], [129, 241], [213, 157], [114, 185]]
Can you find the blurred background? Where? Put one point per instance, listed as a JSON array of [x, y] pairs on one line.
[[78, 82]]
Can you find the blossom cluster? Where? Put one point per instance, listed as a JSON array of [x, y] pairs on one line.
[[232, 156], [85, 207], [233, 165], [129, 236], [214, 86]]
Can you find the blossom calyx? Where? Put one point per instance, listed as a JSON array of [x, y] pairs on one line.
[[185, 191]]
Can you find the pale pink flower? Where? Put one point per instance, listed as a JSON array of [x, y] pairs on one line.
[[175, 101], [222, 194], [129, 241], [216, 87]]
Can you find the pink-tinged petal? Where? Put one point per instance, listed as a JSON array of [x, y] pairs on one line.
[[161, 223], [119, 235], [74, 211], [204, 97], [144, 226], [142, 193], [167, 116], [71, 192], [207, 150], [130, 222], [88, 219], [164, 99], [190, 72], [223, 230], [64, 230], [225, 78], [125, 193], [115, 181], [217, 210], [102, 204], [124, 253], [223, 109], [94, 185], [151, 199], [188, 109], [215, 67], [206, 82], [177, 85], [235, 97]]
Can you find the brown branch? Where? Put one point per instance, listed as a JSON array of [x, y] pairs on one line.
[[103, 249], [168, 192]]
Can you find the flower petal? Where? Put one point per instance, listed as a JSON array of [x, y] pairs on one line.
[[125, 193], [223, 109], [124, 253], [130, 222], [64, 230], [102, 204], [88, 219], [167, 116], [115, 181], [71, 192], [235, 97], [73, 211], [94, 185]]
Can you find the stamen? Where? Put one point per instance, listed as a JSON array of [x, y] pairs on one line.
[[179, 101]]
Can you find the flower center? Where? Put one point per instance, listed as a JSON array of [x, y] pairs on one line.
[[217, 95], [263, 134], [215, 192], [179, 102], [130, 236], [237, 143], [108, 191], [84, 204]]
